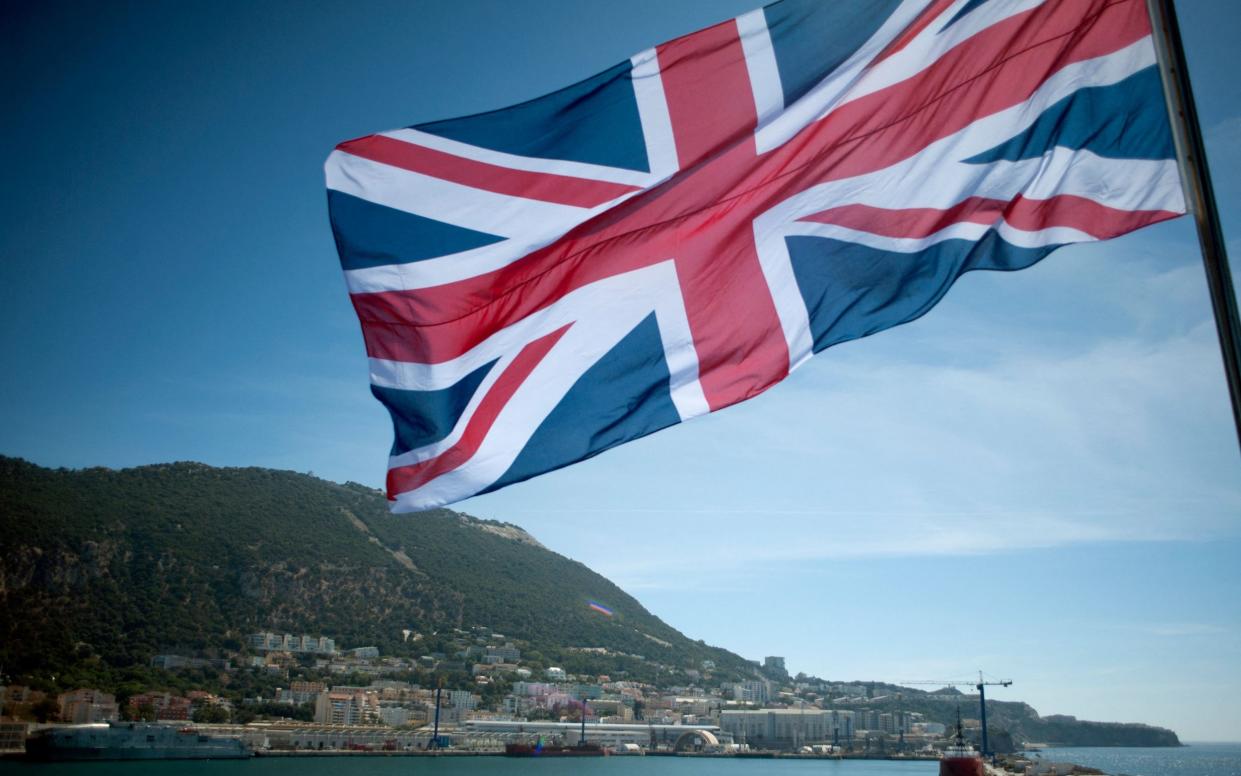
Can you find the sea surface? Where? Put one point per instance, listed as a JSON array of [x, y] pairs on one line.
[[1198, 759], [1192, 760], [482, 766]]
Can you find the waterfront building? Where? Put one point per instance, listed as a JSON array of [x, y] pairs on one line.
[[786, 728], [166, 706], [395, 716], [604, 734], [84, 706], [347, 706], [13, 736], [300, 692], [867, 719]]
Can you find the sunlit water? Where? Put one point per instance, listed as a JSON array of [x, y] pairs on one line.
[[489, 766], [1192, 760]]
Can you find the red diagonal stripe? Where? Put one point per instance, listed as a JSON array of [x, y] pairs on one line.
[[388, 317], [996, 69], [924, 19], [1029, 215], [545, 187], [406, 478]]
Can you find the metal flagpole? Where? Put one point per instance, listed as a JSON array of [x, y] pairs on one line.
[[1200, 198]]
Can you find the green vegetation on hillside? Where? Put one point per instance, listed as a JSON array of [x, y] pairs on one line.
[[107, 568]]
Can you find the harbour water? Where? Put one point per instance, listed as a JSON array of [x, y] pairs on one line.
[[484, 766], [1195, 759]]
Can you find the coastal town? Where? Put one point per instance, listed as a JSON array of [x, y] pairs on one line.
[[482, 694]]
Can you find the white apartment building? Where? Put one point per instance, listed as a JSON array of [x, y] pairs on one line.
[[605, 734], [752, 692], [787, 728], [287, 642]]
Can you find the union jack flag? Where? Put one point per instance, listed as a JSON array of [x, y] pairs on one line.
[[676, 234]]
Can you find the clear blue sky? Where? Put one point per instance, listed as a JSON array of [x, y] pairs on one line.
[[1038, 479]]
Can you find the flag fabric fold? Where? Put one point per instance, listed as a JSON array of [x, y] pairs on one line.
[[676, 234]]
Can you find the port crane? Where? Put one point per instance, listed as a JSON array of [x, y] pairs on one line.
[[981, 686]]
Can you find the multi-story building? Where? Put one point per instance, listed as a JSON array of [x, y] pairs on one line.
[[612, 735], [897, 722], [611, 710], [585, 691], [166, 705], [785, 728], [83, 706], [352, 706], [533, 688], [13, 736], [842, 725], [394, 715], [505, 654], [287, 642], [461, 699], [867, 719], [752, 692], [300, 692]]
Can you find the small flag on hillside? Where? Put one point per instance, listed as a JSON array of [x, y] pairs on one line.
[[600, 608], [677, 233]]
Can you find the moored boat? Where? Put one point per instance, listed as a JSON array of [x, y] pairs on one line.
[[541, 749], [131, 741], [960, 759]]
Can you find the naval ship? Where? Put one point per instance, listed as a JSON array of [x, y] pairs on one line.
[[131, 741]]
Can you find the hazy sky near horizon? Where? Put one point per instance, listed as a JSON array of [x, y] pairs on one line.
[[1039, 478]]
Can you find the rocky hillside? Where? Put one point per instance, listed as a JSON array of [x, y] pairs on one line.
[[1013, 723], [116, 566]]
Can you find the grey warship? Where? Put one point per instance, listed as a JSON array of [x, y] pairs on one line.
[[131, 741]]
